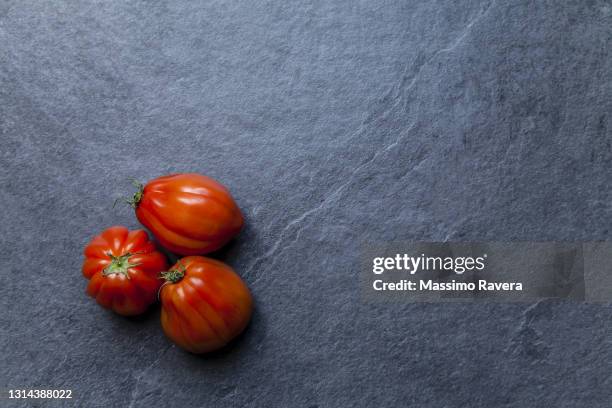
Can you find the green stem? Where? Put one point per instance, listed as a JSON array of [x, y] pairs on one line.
[[136, 197], [119, 264], [174, 275]]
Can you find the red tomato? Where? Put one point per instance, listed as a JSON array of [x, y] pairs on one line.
[[189, 214], [123, 268], [205, 304]]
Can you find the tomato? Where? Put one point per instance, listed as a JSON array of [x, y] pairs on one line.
[[189, 214], [123, 268], [205, 304]]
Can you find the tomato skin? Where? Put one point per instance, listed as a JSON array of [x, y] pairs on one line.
[[190, 214], [207, 307], [123, 268]]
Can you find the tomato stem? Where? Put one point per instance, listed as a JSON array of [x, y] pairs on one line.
[[119, 264], [174, 275], [136, 197]]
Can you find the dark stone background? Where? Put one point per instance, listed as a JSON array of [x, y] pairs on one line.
[[333, 123]]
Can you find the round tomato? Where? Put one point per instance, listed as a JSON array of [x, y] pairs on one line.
[[205, 304], [123, 268], [189, 214]]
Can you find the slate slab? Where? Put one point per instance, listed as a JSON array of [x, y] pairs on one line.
[[333, 123]]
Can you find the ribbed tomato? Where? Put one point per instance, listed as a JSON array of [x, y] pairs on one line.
[[123, 268], [205, 304], [189, 214]]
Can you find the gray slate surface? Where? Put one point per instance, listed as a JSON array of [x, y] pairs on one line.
[[333, 123]]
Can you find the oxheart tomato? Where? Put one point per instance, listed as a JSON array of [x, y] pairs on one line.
[[205, 304], [123, 268], [190, 214]]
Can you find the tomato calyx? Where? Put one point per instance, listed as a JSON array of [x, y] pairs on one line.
[[174, 275], [136, 197], [119, 264]]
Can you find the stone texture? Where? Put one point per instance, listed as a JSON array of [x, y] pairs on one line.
[[333, 123]]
